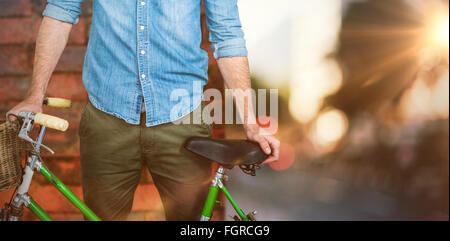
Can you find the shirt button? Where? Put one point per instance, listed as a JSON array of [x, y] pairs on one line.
[[143, 76], [142, 52], [142, 3]]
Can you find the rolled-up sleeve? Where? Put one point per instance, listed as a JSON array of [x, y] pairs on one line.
[[225, 29], [63, 10]]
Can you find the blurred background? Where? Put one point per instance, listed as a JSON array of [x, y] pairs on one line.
[[363, 108]]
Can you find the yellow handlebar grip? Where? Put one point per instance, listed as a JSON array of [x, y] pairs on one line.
[[51, 122], [58, 102]]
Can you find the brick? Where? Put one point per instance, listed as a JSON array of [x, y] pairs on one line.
[[13, 88], [10, 8], [151, 215], [69, 86], [146, 178], [72, 59], [47, 197], [66, 216], [147, 198], [28, 216], [64, 144], [88, 23], [86, 8], [6, 196], [14, 60], [17, 30], [38, 7], [146, 216], [25, 30], [217, 214], [204, 29], [69, 171], [66, 169], [211, 59], [51, 200], [215, 79], [5, 106], [146, 206], [78, 34], [202, 11], [219, 132], [72, 216]]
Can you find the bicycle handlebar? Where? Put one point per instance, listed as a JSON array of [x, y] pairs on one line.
[[58, 102], [52, 122]]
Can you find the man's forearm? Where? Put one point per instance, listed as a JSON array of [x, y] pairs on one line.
[[236, 74], [50, 44]]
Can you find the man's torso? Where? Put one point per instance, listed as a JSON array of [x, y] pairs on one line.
[[145, 48]]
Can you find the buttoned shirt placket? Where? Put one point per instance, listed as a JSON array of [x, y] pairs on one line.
[[142, 55]]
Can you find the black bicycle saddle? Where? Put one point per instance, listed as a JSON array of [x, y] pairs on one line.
[[228, 153]]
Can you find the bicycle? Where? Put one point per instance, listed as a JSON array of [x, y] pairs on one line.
[[227, 153], [14, 209]]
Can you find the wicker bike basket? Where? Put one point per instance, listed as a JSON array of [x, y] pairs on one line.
[[10, 156]]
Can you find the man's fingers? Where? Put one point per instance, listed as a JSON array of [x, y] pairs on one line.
[[270, 145], [275, 148], [10, 117], [275, 151], [275, 145], [269, 160], [264, 144]]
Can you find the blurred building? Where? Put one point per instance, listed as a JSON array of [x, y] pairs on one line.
[[363, 104]]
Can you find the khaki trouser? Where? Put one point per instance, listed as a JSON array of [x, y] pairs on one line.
[[113, 154]]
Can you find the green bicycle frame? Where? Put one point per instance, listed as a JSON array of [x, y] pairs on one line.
[[67, 193], [22, 197], [33, 163], [211, 199], [38, 211]]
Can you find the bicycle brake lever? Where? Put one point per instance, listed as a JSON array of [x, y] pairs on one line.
[[27, 138], [26, 128]]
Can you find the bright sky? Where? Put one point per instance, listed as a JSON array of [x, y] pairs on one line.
[[274, 29], [266, 24], [288, 41]]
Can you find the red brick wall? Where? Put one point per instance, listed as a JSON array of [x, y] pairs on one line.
[[19, 23]]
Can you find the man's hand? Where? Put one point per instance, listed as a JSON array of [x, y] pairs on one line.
[[269, 144], [33, 104], [236, 74]]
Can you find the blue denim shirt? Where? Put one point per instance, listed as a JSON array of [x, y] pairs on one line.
[[143, 50]]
